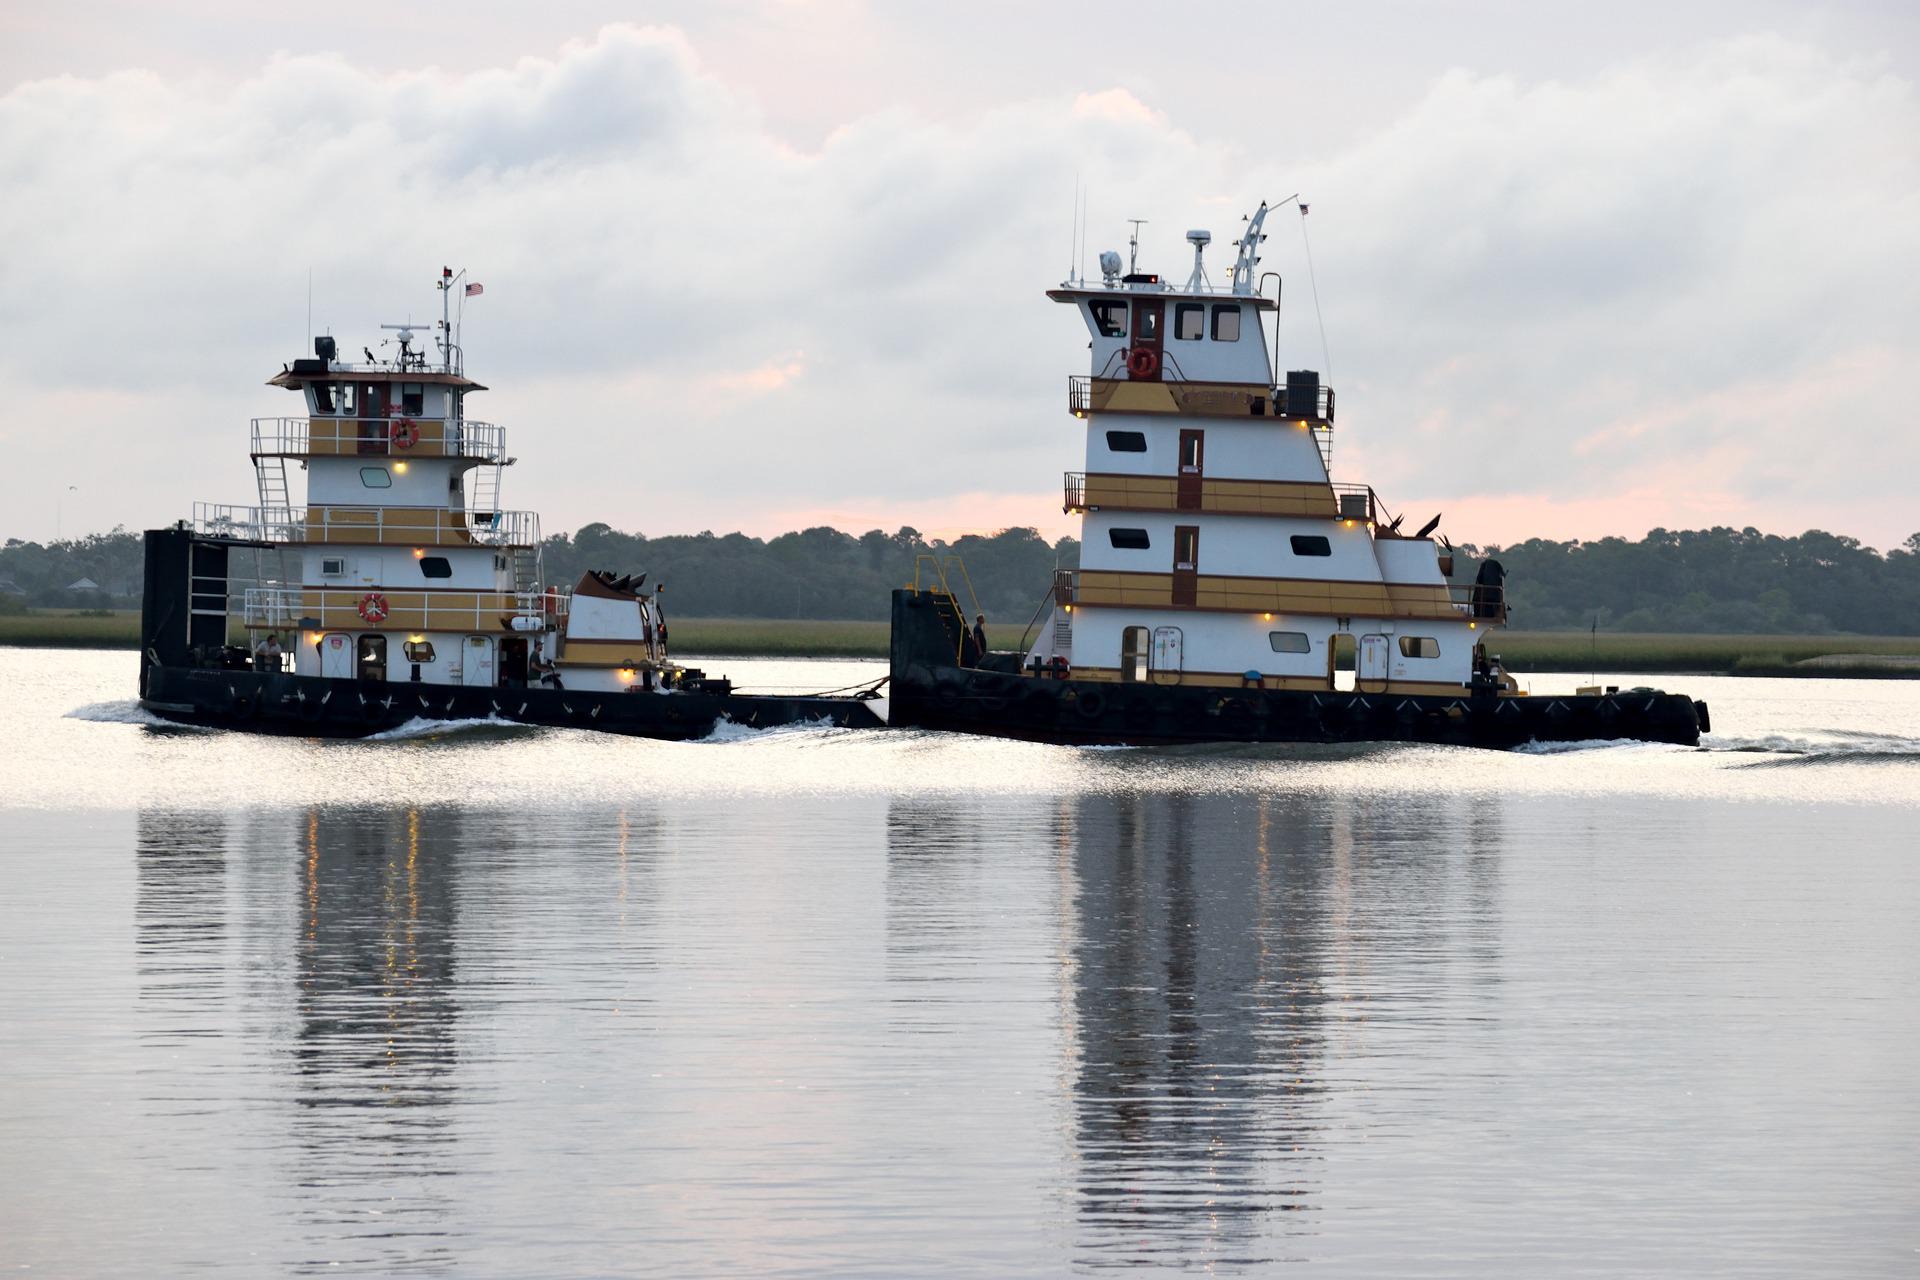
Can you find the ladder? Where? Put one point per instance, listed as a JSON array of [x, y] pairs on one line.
[[485, 498], [526, 569], [1323, 436], [270, 472]]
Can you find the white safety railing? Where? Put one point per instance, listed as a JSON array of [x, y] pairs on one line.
[[396, 526], [390, 437], [290, 606]]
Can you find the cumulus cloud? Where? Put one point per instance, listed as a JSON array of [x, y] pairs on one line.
[[1676, 286]]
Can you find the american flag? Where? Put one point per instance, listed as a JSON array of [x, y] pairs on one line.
[[473, 289]]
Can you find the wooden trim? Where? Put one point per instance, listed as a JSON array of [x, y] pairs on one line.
[[1227, 593], [1112, 491]]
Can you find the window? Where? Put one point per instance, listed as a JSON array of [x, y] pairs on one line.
[[1110, 318], [1190, 447], [332, 566], [372, 661], [1226, 324], [1127, 441], [1310, 544], [376, 478], [323, 397], [419, 651], [413, 399], [1189, 321], [435, 567], [1289, 642], [1186, 546], [1146, 322], [346, 398], [1419, 647], [1128, 539], [1134, 648]]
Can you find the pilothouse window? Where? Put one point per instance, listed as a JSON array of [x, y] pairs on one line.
[[1226, 324], [1128, 539], [1127, 441], [1189, 321], [323, 397], [1110, 318]]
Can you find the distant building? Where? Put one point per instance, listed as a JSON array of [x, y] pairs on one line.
[[84, 584]]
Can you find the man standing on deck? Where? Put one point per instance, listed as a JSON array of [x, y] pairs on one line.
[[979, 639]]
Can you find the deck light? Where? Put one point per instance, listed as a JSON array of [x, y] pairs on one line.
[[1266, 617], [626, 675], [400, 467], [419, 552]]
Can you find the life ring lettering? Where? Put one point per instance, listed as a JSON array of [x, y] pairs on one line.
[[405, 433], [1143, 362], [373, 607]]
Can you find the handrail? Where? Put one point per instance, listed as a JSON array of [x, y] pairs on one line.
[[287, 606], [379, 525], [375, 437], [1075, 495]]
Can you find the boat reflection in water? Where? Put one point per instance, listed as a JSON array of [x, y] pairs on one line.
[[1221, 947]]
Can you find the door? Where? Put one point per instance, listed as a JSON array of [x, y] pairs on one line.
[[476, 666], [372, 660], [373, 419], [336, 656], [1186, 563], [1371, 665], [1193, 458], [1166, 655], [1144, 357]]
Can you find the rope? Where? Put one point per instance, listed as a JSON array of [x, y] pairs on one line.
[[792, 691], [1315, 286]]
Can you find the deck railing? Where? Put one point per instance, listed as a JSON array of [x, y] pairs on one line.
[[394, 526], [1074, 492], [321, 607], [379, 438]]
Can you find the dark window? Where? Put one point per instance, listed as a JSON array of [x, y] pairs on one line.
[[1226, 324], [1128, 539], [1146, 322], [419, 650], [1419, 647], [373, 658], [1127, 441], [1289, 642], [323, 397], [1310, 544], [413, 399], [435, 567], [1110, 318], [1190, 450], [1189, 321]]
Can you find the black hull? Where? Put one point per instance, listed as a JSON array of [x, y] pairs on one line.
[[310, 706], [930, 690]]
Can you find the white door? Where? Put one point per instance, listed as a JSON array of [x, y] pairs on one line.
[[1373, 658], [1166, 649], [476, 666], [336, 656]]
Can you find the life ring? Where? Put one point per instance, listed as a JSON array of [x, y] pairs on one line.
[[404, 432], [1143, 362], [373, 607]]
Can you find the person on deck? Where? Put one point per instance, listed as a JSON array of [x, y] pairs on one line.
[[979, 639], [266, 654], [542, 671]]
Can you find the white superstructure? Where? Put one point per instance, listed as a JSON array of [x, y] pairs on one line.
[[1215, 548]]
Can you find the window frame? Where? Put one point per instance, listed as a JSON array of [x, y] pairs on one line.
[[1101, 312], [1220, 311], [1181, 312], [1122, 434], [437, 562], [1144, 539], [1305, 645], [412, 649], [1321, 541], [382, 472], [1425, 647]]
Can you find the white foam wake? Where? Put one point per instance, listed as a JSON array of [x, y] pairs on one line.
[[124, 711], [420, 727]]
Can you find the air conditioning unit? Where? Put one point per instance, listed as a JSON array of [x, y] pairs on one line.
[[1355, 506]]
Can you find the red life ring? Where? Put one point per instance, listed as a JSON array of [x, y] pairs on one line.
[[405, 433], [1143, 362], [373, 607]]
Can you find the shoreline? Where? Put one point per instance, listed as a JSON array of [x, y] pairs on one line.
[[1524, 653]]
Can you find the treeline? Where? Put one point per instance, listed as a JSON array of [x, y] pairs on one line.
[[1710, 580], [815, 573]]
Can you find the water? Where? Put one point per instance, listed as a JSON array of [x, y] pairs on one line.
[[498, 1001]]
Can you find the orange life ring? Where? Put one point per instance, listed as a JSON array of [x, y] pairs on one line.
[[405, 433], [373, 607], [1143, 362]]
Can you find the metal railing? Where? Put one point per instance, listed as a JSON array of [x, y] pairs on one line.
[[1074, 497], [1321, 410], [1063, 586], [1355, 502], [396, 526], [379, 438], [289, 606]]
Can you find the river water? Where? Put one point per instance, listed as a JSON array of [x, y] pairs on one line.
[[497, 1001]]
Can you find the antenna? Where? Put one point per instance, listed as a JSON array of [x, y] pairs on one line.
[[1083, 235], [1074, 255], [1133, 246]]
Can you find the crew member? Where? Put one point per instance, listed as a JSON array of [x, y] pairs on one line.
[[980, 638]]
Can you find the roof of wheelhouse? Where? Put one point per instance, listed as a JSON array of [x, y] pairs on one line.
[[302, 372]]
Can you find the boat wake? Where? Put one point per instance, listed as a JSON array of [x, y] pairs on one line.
[[729, 730], [1538, 748], [419, 728], [1851, 745], [128, 711]]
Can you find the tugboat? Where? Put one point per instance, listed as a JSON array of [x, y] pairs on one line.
[[1223, 572], [401, 589]]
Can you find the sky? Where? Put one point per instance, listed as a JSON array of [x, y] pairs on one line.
[[765, 264]]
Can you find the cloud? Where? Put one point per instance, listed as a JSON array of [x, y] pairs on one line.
[[1573, 289]]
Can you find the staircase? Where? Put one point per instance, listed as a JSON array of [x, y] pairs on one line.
[[526, 569], [484, 499], [271, 473]]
